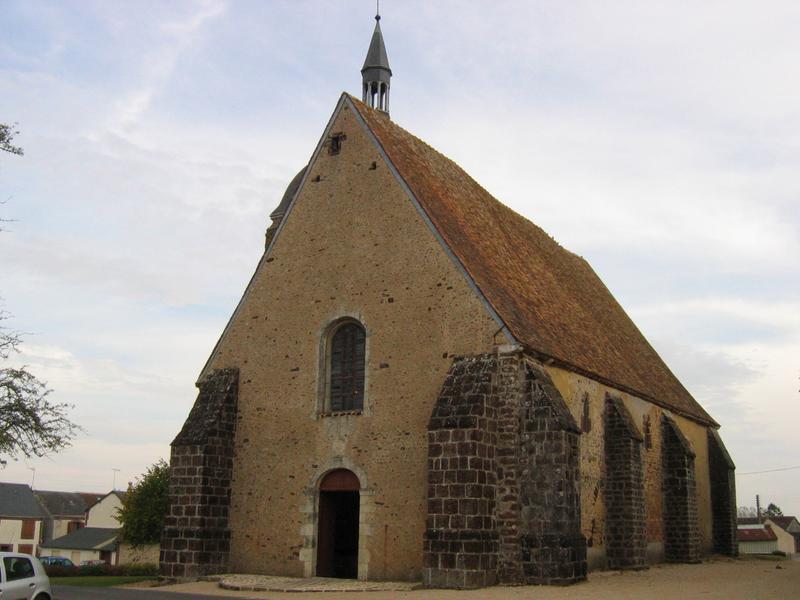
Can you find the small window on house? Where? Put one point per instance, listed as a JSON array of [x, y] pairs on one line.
[[336, 140], [345, 358], [28, 529], [73, 526]]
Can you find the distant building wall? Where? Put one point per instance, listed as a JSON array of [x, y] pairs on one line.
[[104, 513], [11, 534], [786, 542], [758, 547]]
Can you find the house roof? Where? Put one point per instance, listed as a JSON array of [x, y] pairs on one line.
[[756, 535], [784, 522], [62, 504], [117, 493], [748, 521], [88, 538], [17, 500], [91, 498], [550, 299]]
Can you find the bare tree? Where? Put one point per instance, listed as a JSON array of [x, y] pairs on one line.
[[30, 423]]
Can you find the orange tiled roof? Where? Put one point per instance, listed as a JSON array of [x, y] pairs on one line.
[[550, 299], [756, 535]]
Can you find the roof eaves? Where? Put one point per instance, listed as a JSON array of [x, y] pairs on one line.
[[561, 364]]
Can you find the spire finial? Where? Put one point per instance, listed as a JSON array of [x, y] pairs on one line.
[[377, 10]]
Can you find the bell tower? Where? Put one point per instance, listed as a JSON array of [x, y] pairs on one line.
[[376, 74]]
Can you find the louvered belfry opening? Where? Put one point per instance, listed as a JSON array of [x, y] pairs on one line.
[[347, 368]]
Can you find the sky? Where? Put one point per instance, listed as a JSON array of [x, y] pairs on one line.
[[659, 140]]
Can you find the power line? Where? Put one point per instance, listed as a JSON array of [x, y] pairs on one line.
[[770, 470]]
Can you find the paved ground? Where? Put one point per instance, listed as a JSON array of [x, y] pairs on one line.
[[74, 592], [267, 583], [723, 579]]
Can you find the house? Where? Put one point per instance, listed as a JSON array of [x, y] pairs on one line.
[[87, 543], [757, 539], [768, 534], [419, 383], [21, 519], [98, 539], [790, 525], [104, 512], [65, 511]]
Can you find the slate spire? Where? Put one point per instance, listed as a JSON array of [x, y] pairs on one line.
[[375, 73]]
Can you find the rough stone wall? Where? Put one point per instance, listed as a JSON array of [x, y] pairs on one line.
[[626, 541], [129, 554], [196, 536], [460, 543], [508, 399], [654, 499], [723, 496], [681, 533], [574, 388], [353, 245], [553, 548], [501, 435]]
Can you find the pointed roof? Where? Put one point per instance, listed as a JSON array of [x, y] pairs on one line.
[[17, 500], [376, 55], [86, 538], [60, 504], [756, 535], [550, 299]]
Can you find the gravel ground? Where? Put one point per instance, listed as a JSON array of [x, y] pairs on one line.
[[720, 579]]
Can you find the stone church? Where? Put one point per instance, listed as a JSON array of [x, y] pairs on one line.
[[420, 384]]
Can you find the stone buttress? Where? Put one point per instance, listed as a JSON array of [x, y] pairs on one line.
[[196, 536], [723, 496], [503, 475], [625, 530], [681, 532]]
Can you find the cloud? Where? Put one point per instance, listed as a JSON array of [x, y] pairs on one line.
[[158, 137]]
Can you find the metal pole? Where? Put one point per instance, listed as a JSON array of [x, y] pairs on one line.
[[758, 508]]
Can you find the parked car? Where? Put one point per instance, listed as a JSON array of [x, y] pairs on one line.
[[56, 561], [23, 577], [92, 563]]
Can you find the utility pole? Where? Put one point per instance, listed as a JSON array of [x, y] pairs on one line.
[[758, 509]]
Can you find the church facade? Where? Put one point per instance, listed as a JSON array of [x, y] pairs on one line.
[[419, 383]]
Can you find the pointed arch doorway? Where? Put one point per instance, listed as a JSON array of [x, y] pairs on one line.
[[337, 527]]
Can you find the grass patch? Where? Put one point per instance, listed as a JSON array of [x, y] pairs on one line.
[[100, 580]]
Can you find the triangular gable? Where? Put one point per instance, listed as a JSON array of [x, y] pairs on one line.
[[346, 101], [541, 295], [549, 298]]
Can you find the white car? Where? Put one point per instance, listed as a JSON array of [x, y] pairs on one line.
[[22, 577]]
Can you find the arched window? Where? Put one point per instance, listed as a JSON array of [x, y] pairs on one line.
[[346, 358]]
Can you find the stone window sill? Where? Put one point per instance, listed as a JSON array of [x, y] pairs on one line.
[[340, 413]]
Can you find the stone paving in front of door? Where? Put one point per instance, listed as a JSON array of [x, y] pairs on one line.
[[268, 583]]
